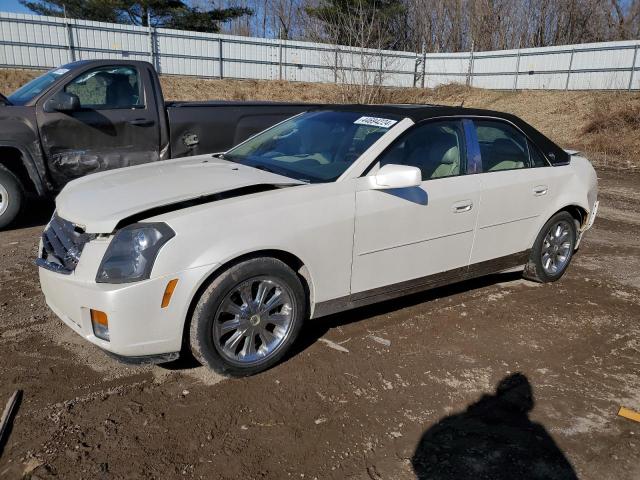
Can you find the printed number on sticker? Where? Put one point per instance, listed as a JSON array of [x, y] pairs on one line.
[[375, 122]]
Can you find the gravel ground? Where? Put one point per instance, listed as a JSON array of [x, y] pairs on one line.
[[494, 378]]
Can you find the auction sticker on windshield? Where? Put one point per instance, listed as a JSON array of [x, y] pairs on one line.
[[376, 122]]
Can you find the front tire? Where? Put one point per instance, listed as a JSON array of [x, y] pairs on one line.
[[553, 249], [248, 317], [11, 197]]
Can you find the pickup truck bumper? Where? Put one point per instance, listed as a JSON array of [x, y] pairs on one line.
[[140, 330]]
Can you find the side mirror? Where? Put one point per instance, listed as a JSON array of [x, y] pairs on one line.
[[397, 176], [62, 102]]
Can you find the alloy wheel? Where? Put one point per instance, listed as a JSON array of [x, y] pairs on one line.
[[556, 248], [4, 199], [253, 320]]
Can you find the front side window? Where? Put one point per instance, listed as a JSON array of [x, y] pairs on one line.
[[436, 148], [502, 147], [314, 147], [108, 88]]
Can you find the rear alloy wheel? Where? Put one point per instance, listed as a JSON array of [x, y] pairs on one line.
[[553, 249], [11, 197], [248, 317]]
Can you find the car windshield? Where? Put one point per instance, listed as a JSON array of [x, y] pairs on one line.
[[315, 147], [36, 86]]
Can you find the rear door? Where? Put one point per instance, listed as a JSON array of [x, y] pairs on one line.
[[116, 126], [518, 186], [403, 236]]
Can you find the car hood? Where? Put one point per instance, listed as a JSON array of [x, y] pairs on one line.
[[99, 202]]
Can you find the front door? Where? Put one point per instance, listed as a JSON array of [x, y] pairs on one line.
[[404, 235], [116, 126]]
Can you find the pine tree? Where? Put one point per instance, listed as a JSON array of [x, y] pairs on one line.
[[361, 23], [162, 13]]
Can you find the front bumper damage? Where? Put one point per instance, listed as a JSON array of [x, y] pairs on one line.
[[140, 330]]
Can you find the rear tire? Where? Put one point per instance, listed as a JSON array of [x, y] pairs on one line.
[[248, 317], [11, 197], [553, 249]]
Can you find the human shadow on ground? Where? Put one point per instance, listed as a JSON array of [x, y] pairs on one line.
[[492, 439]]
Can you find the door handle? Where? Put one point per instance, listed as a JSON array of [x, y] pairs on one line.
[[540, 190], [141, 122], [463, 206]]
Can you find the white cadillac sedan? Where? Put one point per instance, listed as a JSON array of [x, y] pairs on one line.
[[227, 255]]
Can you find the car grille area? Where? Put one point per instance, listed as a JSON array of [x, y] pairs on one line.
[[62, 245]]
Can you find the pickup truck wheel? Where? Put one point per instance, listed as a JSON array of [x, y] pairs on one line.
[[248, 317], [11, 197], [553, 249]]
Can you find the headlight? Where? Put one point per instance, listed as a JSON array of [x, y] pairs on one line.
[[133, 250]]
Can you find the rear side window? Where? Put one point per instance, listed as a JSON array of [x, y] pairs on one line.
[[537, 159], [106, 88], [436, 148], [502, 147]]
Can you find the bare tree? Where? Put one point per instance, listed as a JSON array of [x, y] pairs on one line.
[[359, 68]]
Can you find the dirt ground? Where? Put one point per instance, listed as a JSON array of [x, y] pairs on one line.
[[423, 385]]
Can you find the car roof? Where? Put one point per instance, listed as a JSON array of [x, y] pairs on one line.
[[419, 113]]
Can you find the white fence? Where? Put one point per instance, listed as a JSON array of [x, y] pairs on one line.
[[30, 41]]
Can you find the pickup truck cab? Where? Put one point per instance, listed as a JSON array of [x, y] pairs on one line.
[[95, 115]]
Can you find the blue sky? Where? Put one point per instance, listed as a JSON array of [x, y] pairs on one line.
[[13, 6]]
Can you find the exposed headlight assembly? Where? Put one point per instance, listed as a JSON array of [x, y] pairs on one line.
[[132, 252]]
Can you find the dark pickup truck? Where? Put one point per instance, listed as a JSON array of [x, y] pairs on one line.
[[95, 115]]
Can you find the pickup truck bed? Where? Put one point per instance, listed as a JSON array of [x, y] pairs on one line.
[[232, 123]]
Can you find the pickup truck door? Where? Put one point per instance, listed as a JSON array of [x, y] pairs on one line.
[[115, 126], [405, 237]]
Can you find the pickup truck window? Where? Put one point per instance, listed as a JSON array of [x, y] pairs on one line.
[[35, 87], [108, 88]]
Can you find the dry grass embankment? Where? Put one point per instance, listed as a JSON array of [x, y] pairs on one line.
[[606, 125]]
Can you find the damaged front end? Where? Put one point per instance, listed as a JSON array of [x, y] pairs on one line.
[[62, 245]]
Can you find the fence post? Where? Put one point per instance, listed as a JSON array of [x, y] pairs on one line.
[[566, 86], [470, 72], [381, 65], [220, 57], [633, 66], [72, 54], [335, 71], [150, 29], [424, 63], [280, 60], [515, 81]]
